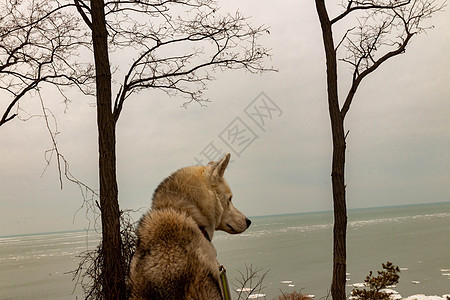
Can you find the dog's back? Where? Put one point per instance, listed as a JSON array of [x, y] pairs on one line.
[[173, 260]]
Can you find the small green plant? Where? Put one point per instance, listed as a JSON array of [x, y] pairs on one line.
[[389, 276]]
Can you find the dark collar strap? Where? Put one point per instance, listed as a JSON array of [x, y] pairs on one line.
[[205, 233]]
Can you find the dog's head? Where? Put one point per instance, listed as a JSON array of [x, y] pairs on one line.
[[202, 193], [230, 220]]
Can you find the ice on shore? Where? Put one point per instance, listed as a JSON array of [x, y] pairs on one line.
[[423, 297], [256, 296], [252, 296], [444, 272], [244, 290], [286, 281], [359, 284], [393, 294]]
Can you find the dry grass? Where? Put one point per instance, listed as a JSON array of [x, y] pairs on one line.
[[293, 296], [89, 271]]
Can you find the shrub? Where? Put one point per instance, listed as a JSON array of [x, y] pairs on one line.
[[389, 276]]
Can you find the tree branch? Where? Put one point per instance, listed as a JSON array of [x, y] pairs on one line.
[[80, 5], [357, 79], [38, 45], [6, 117], [384, 29], [366, 5], [208, 42]]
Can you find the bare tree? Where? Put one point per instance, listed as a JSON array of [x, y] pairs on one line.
[[172, 53], [383, 30], [39, 43], [173, 46]]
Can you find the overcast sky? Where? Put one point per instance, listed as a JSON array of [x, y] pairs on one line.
[[397, 147]]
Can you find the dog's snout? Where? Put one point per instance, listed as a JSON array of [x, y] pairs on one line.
[[248, 222]]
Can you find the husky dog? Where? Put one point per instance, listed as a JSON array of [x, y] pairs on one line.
[[174, 256]]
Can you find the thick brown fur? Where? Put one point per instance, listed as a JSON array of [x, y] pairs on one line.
[[174, 259]]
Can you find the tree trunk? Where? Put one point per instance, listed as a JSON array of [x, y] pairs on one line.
[[113, 272], [340, 212], [338, 164]]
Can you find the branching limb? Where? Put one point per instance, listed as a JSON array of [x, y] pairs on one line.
[[383, 33], [357, 79], [208, 42], [344, 37], [81, 7], [39, 43], [369, 5]]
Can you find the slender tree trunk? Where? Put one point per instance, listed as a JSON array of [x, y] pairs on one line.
[[340, 212], [113, 272], [338, 164]]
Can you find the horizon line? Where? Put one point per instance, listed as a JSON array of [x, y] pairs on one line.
[[257, 216]]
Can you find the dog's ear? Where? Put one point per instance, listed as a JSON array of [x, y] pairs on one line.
[[217, 169]]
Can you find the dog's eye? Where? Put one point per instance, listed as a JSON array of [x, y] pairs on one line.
[[229, 199]]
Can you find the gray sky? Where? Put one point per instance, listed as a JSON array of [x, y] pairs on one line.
[[397, 148]]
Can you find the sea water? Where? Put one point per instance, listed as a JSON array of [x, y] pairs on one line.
[[295, 250], [39, 266]]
